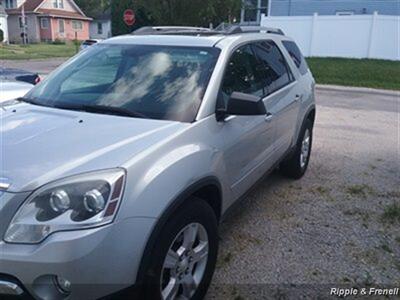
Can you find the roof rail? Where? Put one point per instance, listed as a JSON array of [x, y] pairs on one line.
[[168, 30], [222, 29], [235, 28]]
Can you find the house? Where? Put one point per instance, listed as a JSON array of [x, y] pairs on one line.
[[100, 27], [252, 9], [3, 24], [46, 20]]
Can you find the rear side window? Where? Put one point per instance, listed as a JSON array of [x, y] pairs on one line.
[[296, 56], [276, 71]]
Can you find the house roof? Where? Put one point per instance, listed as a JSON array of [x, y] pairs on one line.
[[33, 6], [62, 14]]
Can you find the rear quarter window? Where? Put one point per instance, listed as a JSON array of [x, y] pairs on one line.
[[296, 56]]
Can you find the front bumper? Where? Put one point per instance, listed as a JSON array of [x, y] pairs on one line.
[[97, 262]]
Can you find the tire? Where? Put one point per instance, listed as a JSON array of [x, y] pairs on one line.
[[194, 214], [296, 165]]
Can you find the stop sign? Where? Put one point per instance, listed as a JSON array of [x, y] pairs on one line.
[[129, 17]]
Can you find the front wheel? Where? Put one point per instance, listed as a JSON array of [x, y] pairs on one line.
[[295, 166], [183, 259]]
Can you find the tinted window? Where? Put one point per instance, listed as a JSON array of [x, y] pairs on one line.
[[243, 74], [296, 55], [275, 68], [160, 82]]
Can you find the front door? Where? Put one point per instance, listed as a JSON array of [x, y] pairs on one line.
[[248, 140]]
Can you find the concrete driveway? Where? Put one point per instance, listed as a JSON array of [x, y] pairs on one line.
[[293, 239]]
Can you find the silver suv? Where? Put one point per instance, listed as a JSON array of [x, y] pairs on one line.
[[117, 169]]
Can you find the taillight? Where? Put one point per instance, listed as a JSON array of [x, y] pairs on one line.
[[38, 79]]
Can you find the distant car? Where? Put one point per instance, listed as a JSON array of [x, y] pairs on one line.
[[19, 75], [87, 43]]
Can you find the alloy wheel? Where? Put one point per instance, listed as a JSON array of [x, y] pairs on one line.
[[185, 263]]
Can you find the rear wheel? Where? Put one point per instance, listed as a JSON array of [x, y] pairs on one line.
[[296, 165], [183, 259]]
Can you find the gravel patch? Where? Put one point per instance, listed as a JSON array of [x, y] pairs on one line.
[[297, 239]]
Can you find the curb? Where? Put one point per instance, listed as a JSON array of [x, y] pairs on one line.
[[339, 88]]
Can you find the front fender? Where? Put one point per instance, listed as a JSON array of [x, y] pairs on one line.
[[167, 177]]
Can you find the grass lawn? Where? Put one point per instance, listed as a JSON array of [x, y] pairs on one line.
[[36, 51], [372, 73]]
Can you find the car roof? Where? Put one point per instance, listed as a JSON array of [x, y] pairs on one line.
[[166, 40], [220, 41]]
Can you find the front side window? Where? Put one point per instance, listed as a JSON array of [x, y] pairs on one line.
[[242, 73], [158, 82], [296, 56], [276, 70]]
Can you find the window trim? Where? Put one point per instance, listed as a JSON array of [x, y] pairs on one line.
[[100, 29], [41, 23], [21, 25], [59, 26], [58, 4], [75, 22]]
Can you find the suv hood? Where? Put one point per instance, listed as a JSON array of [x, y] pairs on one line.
[[41, 144]]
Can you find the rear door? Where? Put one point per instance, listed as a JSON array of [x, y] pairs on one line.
[[283, 95]]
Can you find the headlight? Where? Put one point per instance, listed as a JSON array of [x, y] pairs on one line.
[[77, 202]]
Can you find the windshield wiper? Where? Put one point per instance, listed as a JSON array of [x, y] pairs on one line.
[[101, 109]]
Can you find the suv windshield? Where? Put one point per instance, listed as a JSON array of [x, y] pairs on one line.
[[158, 82]]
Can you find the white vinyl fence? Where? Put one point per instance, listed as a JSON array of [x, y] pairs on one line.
[[356, 36]]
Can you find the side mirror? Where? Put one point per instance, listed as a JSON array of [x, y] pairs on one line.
[[242, 105]]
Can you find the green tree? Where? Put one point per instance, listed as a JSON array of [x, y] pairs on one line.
[[174, 12], [93, 8]]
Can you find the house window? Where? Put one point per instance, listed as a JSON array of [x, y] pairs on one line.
[[61, 26], [77, 25], [10, 4], [44, 23], [58, 3], [99, 28], [345, 13], [21, 24], [252, 10]]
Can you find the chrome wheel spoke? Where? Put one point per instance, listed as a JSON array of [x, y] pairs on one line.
[[171, 260], [171, 290], [189, 236], [200, 252], [189, 286]]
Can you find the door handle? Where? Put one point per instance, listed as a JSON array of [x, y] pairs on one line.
[[298, 98], [268, 118]]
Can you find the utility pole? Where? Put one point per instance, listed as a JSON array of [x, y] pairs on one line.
[[24, 39]]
